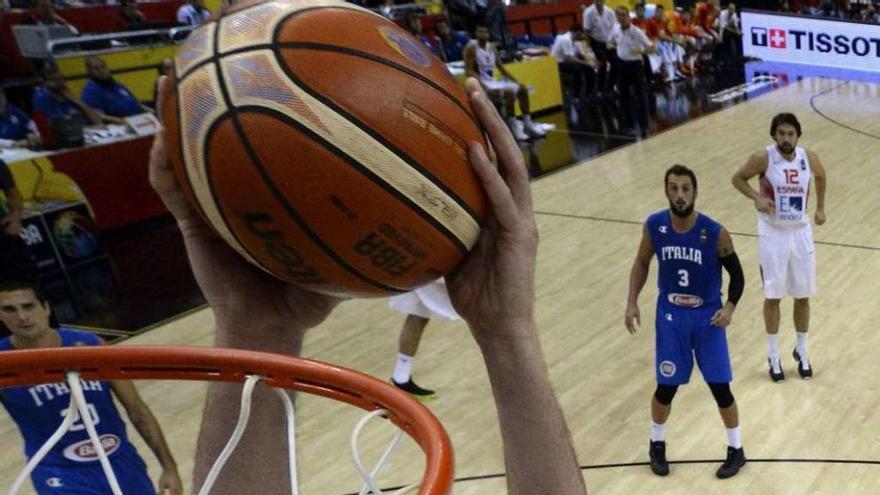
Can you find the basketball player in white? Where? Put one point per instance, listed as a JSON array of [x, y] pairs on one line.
[[480, 60], [428, 302], [785, 235]]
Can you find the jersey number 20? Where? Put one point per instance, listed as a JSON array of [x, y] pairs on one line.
[[77, 421]]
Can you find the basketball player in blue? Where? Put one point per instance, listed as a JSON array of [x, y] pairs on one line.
[[72, 467], [691, 248]]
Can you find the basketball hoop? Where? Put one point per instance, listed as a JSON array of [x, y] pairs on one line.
[[31, 367]]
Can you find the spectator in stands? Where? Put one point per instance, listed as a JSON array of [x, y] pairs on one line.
[[706, 17], [481, 59], [414, 26], [631, 44], [130, 13], [15, 259], [868, 13], [598, 23], [641, 22], [731, 34], [451, 48], [53, 99], [16, 128], [496, 20], [569, 49], [44, 13], [465, 14], [192, 13], [670, 49], [102, 92], [692, 36]]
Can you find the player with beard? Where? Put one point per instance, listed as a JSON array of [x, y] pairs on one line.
[[785, 236], [690, 321]]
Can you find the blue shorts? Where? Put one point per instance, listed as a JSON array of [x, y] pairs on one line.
[[89, 478], [684, 334]]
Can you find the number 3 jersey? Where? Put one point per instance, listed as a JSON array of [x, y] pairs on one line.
[[787, 183], [690, 274], [38, 410]]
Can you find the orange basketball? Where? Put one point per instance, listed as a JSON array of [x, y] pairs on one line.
[[326, 145]]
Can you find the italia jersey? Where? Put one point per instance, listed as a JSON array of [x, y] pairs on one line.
[[38, 411], [787, 183], [690, 273]]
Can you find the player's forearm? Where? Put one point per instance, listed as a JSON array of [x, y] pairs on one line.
[[268, 441], [148, 427], [743, 187], [637, 278], [820, 193], [530, 417]]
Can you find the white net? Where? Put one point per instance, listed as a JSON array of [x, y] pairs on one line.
[[78, 408]]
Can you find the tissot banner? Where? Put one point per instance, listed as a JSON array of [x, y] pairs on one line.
[[811, 40]]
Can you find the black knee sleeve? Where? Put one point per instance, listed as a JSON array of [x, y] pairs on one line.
[[723, 395], [665, 393]]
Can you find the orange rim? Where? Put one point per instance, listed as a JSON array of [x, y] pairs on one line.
[[31, 367]]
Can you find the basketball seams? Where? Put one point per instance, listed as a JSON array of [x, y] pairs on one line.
[[381, 139], [374, 156], [358, 166], [292, 213], [308, 45], [202, 187]]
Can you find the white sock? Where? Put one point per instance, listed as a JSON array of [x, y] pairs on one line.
[[734, 438], [403, 368], [773, 346], [802, 344], [658, 432]]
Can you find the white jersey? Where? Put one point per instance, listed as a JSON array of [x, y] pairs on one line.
[[485, 61], [787, 183]]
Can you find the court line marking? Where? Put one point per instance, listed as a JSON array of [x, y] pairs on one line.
[[841, 124], [480, 477]]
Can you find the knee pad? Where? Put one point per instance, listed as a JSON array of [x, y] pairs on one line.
[[723, 395], [665, 393]]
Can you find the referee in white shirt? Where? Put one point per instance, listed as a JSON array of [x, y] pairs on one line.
[[631, 43], [598, 23]]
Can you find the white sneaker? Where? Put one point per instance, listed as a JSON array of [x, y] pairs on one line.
[[535, 130], [516, 128]]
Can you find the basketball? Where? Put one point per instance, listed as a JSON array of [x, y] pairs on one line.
[[326, 145]]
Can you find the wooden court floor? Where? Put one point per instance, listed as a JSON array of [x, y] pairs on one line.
[[817, 437]]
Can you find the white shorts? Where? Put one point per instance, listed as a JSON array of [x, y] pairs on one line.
[[788, 261], [499, 85], [429, 301]]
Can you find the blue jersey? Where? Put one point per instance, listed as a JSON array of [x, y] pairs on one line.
[[38, 410], [690, 273]]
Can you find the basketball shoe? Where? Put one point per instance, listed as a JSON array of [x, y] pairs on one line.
[[736, 459], [776, 377], [657, 454], [804, 368], [416, 391], [517, 129]]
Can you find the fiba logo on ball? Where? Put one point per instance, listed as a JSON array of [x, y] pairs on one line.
[[406, 46], [74, 234], [667, 369]]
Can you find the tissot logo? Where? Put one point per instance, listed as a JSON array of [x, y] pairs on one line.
[[809, 41]]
